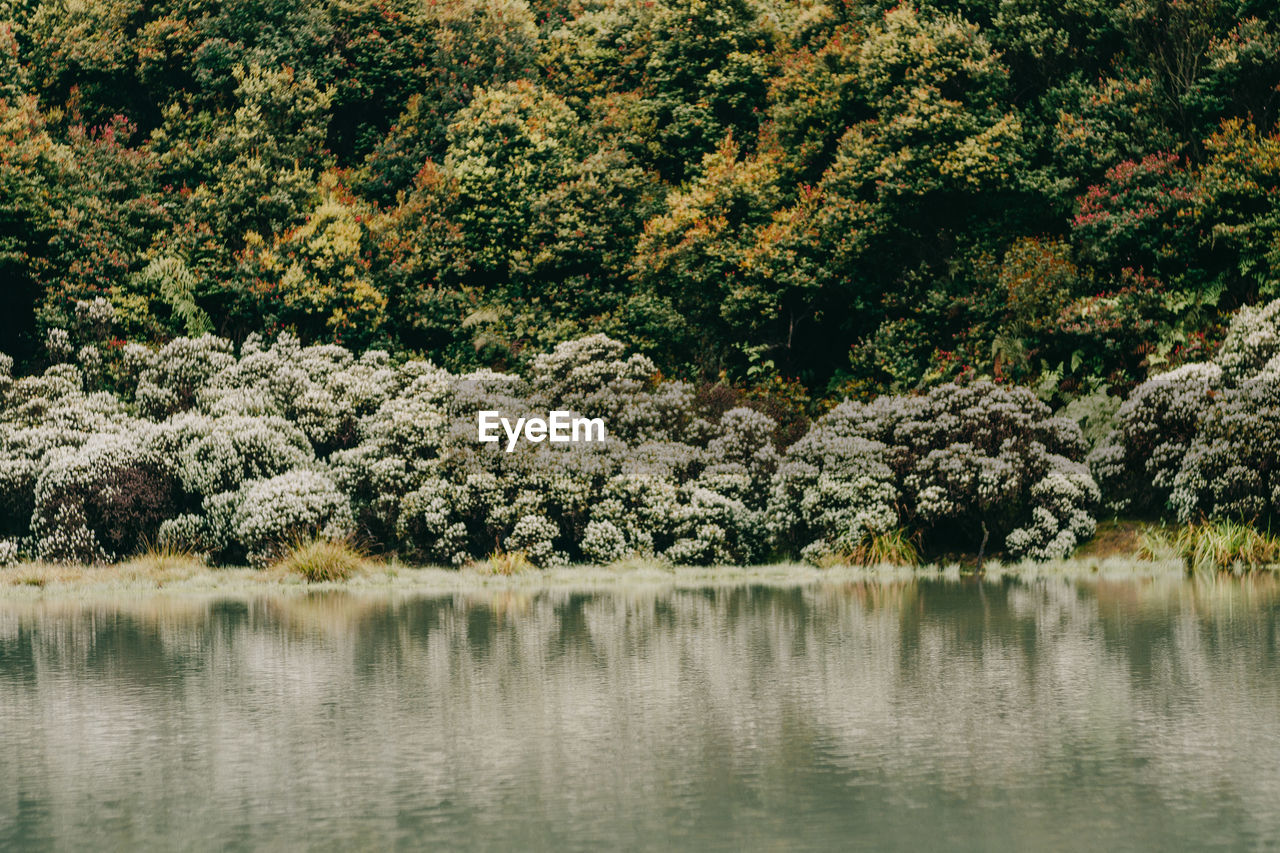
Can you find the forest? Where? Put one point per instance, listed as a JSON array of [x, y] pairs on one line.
[[833, 271]]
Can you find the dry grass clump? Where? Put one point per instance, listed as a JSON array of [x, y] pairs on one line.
[[1156, 542], [161, 564], [155, 566], [894, 547], [1118, 538], [323, 561], [41, 574], [634, 562], [505, 563]]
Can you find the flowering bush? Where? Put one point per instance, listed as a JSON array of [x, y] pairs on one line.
[[237, 455], [948, 465], [102, 499], [295, 506], [1202, 440], [1137, 463]]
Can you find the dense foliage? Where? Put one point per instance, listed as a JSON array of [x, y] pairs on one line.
[[822, 267], [859, 195], [1204, 440], [238, 455]]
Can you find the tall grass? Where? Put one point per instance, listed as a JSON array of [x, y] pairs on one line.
[[162, 563], [895, 547], [323, 561], [1224, 545], [504, 563], [156, 565]]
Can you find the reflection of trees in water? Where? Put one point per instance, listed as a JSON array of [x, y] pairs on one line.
[[915, 686]]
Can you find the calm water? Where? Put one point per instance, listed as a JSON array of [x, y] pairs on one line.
[[1042, 715]]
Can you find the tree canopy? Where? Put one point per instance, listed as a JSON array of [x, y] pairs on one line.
[[819, 198]]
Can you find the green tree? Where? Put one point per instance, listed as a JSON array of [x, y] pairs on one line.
[[508, 148], [706, 75], [471, 45], [1236, 200], [32, 169], [692, 256], [318, 279]]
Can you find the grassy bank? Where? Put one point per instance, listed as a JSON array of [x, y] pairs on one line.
[[1120, 549], [39, 581]]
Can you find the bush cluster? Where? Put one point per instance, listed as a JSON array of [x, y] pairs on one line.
[[1203, 440], [957, 466], [237, 455]]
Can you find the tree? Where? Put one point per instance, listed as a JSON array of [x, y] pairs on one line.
[[934, 178], [31, 170], [318, 279], [252, 172], [507, 148], [705, 76], [1236, 199], [469, 46], [693, 255]]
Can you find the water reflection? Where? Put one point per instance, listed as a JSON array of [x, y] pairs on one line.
[[1048, 714]]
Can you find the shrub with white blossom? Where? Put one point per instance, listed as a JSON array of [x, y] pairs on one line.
[[946, 466], [103, 499], [1204, 440], [296, 506], [236, 455]]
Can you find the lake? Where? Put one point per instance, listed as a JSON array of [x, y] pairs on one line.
[[1051, 714]]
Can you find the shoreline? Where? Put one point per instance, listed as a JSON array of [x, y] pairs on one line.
[[34, 581]]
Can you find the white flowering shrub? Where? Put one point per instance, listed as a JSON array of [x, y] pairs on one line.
[[188, 532], [1137, 463], [1203, 440], [169, 379], [275, 513], [535, 537], [6, 374], [1252, 344], [57, 343], [432, 521], [38, 416], [102, 499], [236, 455], [1230, 466], [594, 377], [833, 489], [941, 465], [603, 543], [237, 448]]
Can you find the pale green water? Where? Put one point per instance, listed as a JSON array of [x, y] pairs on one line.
[[1048, 715]]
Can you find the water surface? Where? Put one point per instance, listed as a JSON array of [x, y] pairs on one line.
[[1049, 714]]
